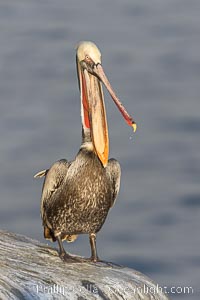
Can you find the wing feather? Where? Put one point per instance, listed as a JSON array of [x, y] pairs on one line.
[[114, 171], [53, 179]]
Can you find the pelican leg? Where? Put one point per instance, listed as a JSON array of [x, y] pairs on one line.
[[62, 253], [94, 256]]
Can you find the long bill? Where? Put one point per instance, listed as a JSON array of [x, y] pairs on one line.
[[93, 109], [98, 70], [94, 114]]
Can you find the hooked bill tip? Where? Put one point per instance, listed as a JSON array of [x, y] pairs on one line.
[[134, 125]]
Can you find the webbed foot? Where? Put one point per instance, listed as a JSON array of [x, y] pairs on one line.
[[71, 259]]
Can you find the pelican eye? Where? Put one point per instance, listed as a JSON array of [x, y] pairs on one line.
[[87, 58]]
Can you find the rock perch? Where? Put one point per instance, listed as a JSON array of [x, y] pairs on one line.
[[32, 270]]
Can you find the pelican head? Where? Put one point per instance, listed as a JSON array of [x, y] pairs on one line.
[[88, 52], [91, 76]]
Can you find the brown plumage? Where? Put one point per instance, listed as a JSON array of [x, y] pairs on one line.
[[77, 195]]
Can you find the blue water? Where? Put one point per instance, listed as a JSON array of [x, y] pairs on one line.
[[151, 54]]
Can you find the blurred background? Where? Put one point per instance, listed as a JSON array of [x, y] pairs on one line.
[[151, 54]]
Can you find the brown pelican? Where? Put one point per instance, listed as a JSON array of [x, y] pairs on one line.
[[77, 195]]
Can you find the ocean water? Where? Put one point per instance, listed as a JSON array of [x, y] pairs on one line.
[[151, 54]]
